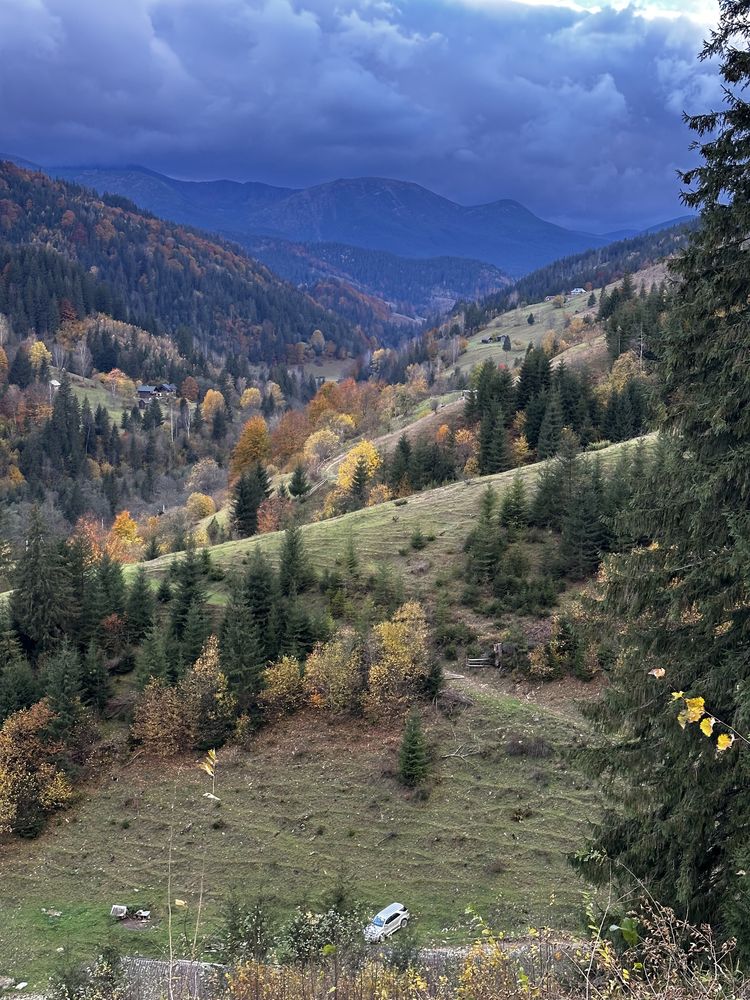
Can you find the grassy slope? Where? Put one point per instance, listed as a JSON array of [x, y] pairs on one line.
[[380, 532], [312, 805], [515, 325]]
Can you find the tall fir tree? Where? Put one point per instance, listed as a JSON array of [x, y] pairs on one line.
[[678, 816], [96, 686], [139, 609], [241, 657], [298, 484], [551, 429], [295, 574], [63, 685], [413, 754], [42, 601]]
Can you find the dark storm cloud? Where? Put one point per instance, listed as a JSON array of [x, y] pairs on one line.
[[575, 114]]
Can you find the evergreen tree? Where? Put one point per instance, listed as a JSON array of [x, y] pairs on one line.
[[247, 496], [63, 684], [188, 591], [359, 485], [484, 544], [581, 541], [413, 755], [679, 811], [197, 629], [152, 660], [514, 509], [551, 429], [139, 609], [262, 597], [241, 659], [95, 682], [41, 603], [298, 484], [19, 687], [294, 570], [112, 585]]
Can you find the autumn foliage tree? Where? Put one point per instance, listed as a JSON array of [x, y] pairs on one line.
[[32, 784], [400, 663], [252, 447]]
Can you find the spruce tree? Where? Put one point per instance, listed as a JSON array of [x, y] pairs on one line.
[[42, 602], [112, 584], [679, 811], [139, 607], [241, 659], [152, 660], [359, 486], [188, 591], [298, 484], [261, 589], [551, 429], [197, 629], [63, 685], [484, 544], [294, 569], [514, 509], [95, 682], [247, 496], [413, 755]]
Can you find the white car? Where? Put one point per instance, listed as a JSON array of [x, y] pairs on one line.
[[387, 922]]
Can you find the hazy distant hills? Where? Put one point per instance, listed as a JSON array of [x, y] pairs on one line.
[[368, 212]]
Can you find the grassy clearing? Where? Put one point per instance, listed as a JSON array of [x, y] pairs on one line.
[[312, 805], [382, 534], [515, 325], [97, 395]]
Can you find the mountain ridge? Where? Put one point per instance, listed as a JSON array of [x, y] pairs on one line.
[[375, 213]]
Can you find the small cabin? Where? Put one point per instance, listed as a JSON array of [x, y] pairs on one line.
[[146, 391]]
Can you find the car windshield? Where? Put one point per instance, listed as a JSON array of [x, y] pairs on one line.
[[378, 921]]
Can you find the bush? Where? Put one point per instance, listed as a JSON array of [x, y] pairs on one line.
[[418, 540]]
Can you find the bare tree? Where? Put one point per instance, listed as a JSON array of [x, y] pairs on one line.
[[59, 355], [4, 329], [83, 357]]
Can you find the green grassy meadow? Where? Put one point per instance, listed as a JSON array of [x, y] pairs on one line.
[[382, 534], [515, 325], [311, 805]]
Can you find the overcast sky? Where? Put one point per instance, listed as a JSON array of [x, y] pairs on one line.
[[572, 108]]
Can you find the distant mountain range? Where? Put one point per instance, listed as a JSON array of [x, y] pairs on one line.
[[368, 212], [391, 241]]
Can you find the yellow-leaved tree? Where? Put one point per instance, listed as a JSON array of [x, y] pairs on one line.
[[364, 451], [251, 398], [39, 355], [208, 706], [333, 675], [32, 785], [283, 690], [212, 402], [199, 505], [400, 663], [253, 446]]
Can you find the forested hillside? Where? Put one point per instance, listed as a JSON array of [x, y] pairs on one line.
[[593, 269], [159, 276]]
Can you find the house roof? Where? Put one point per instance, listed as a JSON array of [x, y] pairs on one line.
[[146, 388]]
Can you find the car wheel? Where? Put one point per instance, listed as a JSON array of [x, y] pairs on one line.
[[404, 922]]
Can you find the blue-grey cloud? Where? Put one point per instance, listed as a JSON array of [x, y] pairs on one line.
[[577, 114]]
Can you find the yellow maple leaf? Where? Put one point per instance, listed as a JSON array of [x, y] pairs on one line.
[[180, 902], [695, 709], [707, 726], [676, 695], [658, 672], [682, 718], [724, 742]]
